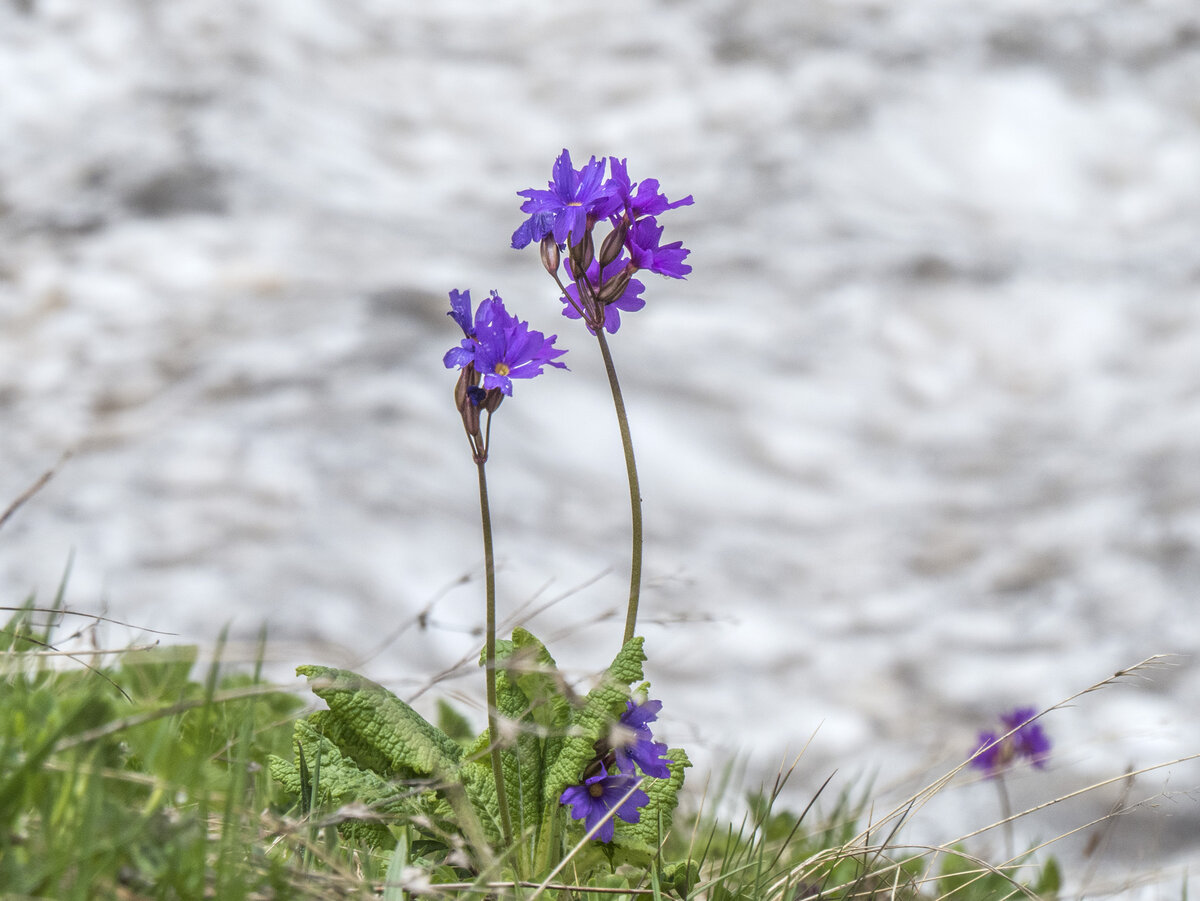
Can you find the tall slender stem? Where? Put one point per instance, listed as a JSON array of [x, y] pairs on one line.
[[489, 569], [1005, 814], [635, 494]]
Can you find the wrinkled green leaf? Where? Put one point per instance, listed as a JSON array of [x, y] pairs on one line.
[[374, 724], [603, 706], [656, 816], [341, 781], [453, 723]]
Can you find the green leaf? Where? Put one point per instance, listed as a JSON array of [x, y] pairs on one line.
[[656, 816], [1050, 882], [368, 757], [393, 881], [536, 674], [340, 782], [962, 878], [529, 692], [453, 723], [603, 706], [374, 724], [681, 876], [476, 778], [78, 714]]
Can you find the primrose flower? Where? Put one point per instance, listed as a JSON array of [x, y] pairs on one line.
[[490, 316], [573, 200], [592, 801], [515, 353], [498, 346], [460, 311], [640, 716], [647, 201], [643, 243], [1028, 742], [632, 743]]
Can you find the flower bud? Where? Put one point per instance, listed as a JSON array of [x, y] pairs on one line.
[[468, 378], [467, 384], [614, 287], [584, 252], [491, 399], [613, 242], [550, 255]]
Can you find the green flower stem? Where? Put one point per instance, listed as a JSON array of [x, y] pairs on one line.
[[635, 494], [489, 569], [1006, 814]]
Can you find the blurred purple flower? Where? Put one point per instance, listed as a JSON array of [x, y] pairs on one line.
[[995, 754]]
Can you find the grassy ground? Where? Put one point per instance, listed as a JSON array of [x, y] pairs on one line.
[[126, 777], [132, 780]]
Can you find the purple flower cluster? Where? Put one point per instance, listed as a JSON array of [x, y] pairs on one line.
[[630, 746], [565, 214], [498, 346], [996, 751], [632, 742]]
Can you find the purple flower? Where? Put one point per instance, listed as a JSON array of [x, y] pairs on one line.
[[632, 742], [1030, 740], [592, 801], [630, 300], [647, 201], [533, 229], [564, 208], [649, 755], [514, 353], [639, 716], [994, 754], [643, 243], [499, 346], [460, 311], [490, 316]]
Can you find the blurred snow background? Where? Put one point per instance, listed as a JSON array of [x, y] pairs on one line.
[[918, 439]]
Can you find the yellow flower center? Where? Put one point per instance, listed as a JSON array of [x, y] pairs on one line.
[[596, 790], [501, 369]]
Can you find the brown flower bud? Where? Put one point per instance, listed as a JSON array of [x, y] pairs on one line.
[[550, 255], [467, 379], [614, 287], [613, 242], [491, 399], [583, 253]]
